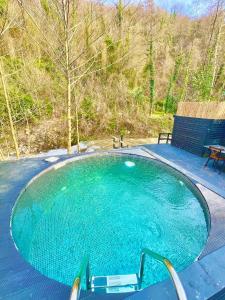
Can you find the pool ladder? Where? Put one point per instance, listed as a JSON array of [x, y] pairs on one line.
[[123, 283]]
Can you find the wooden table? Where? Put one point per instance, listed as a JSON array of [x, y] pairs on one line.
[[217, 146]]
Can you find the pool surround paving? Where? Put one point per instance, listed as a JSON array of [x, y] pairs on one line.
[[203, 279]]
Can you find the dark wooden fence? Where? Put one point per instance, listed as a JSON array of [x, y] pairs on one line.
[[191, 134]]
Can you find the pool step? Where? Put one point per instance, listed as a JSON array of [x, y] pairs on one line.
[[112, 284], [105, 287]]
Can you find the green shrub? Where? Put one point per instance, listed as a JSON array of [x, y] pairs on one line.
[[87, 108], [45, 63], [3, 5], [138, 94]]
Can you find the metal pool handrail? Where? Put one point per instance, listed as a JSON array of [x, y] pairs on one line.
[[85, 269], [175, 278], [75, 293]]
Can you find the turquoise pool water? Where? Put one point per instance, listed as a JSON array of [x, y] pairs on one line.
[[108, 207]]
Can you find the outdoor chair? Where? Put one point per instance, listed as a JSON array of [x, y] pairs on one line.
[[217, 156], [165, 136], [119, 142]]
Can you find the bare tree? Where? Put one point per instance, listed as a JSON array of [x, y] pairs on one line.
[[217, 46], [66, 50], [150, 37]]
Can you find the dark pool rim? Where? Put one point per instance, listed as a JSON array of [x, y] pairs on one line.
[[188, 181]]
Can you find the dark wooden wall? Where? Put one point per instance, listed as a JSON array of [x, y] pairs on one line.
[[191, 134]]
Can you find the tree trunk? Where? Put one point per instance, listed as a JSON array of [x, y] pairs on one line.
[[13, 133], [187, 76], [1, 155], [120, 18], [77, 128], [68, 75], [151, 77], [28, 135], [172, 82], [69, 125]]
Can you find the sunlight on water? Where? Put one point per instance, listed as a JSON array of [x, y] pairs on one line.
[[129, 164]]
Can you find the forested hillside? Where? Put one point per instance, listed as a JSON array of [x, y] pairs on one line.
[[73, 69]]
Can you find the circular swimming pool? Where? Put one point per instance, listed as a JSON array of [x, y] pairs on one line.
[[109, 207]]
